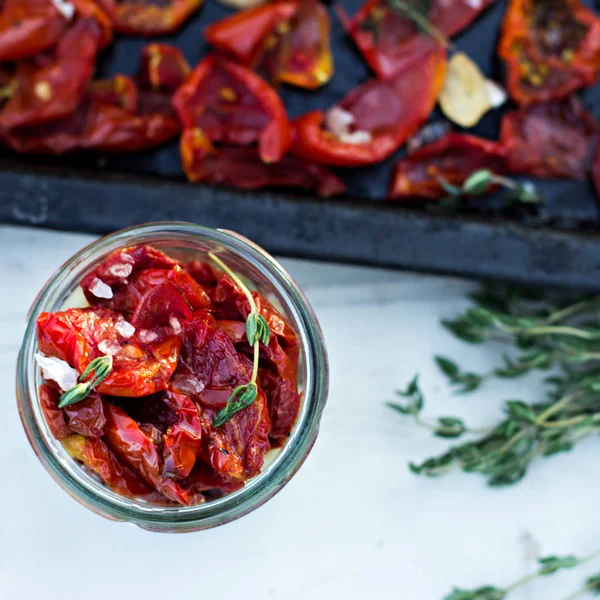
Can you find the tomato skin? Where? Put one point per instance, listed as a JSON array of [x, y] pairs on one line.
[[55, 418], [51, 86], [397, 43], [86, 417], [129, 443], [232, 104], [390, 112], [454, 157], [162, 68], [243, 168], [40, 26], [555, 139], [540, 70], [103, 12], [159, 305], [145, 17]]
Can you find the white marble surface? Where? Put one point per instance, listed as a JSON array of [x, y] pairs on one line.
[[353, 523]]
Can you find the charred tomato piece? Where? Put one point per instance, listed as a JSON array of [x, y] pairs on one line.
[[452, 159], [551, 48]]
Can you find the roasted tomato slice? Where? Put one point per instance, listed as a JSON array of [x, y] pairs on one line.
[[134, 448], [29, 27], [55, 418], [277, 378], [551, 47], [52, 85], [153, 17], [210, 369], [141, 364], [232, 104], [96, 455], [390, 42], [243, 168], [452, 158], [556, 139], [374, 119], [162, 68], [284, 41]]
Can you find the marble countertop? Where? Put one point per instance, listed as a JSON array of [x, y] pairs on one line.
[[354, 523]]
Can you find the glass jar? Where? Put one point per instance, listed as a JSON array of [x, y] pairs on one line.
[[180, 240]]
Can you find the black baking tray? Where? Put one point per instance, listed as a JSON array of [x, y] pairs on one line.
[[557, 243]]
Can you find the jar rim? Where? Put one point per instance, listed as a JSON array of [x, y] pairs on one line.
[[97, 496]]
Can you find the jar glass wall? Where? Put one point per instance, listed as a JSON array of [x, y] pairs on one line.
[[182, 241]]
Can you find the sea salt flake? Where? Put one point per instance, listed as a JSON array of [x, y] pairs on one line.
[[57, 370], [124, 328], [121, 270], [175, 324], [100, 289], [474, 4], [109, 347], [66, 9], [188, 385], [127, 258], [356, 137], [338, 120], [146, 336], [496, 93]]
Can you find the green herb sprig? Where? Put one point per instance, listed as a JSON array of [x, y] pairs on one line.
[[95, 373], [547, 566], [544, 334], [481, 181], [257, 330]]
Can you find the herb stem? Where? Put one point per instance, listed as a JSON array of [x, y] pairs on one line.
[[573, 309], [236, 280]]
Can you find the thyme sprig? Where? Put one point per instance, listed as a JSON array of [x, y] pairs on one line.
[[544, 334], [257, 330], [547, 566], [95, 373]]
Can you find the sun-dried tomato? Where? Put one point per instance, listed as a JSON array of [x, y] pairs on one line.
[[130, 444], [103, 11], [96, 455], [452, 159], [556, 139], [86, 417], [231, 104], [55, 418], [52, 85], [152, 17], [551, 47], [373, 120], [79, 335], [158, 306], [284, 41], [391, 42], [29, 27], [243, 168], [162, 68]]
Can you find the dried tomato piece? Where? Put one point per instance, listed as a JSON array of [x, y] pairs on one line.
[[551, 48], [53, 85], [232, 104], [96, 455], [210, 369], [373, 120], [27, 28], [285, 41], [55, 418], [159, 305], [118, 268], [87, 416], [204, 479], [277, 379], [153, 17], [103, 11], [202, 273], [550, 140], [130, 444], [119, 91], [181, 443], [390, 42], [78, 335], [451, 158], [162, 68], [243, 168]]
